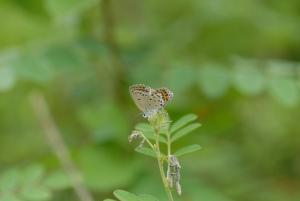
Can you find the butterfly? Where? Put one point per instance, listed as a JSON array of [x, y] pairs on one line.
[[149, 100]]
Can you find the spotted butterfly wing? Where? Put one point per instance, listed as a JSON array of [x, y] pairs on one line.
[[139, 94], [149, 100], [166, 94]]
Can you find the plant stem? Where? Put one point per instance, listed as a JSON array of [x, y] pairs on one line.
[[160, 166], [110, 39], [148, 141], [169, 143], [58, 146]]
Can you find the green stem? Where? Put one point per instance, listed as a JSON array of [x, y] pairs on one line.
[[161, 168], [148, 141], [169, 143]]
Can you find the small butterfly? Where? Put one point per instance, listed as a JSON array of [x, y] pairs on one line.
[[149, 100]]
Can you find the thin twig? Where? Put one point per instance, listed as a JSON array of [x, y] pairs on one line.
[[109, 34], [148, 141], [58, 146]]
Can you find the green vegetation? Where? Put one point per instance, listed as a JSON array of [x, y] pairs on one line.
[[160, 132], [65, 68]]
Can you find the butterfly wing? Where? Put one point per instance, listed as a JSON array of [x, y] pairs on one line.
[[155, 101], [165, 93], [149, 100], [140, 95]]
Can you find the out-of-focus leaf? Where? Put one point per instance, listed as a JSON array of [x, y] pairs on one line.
[[32, 68], [125, 196], [144, 197], [7, 78], [95, 163], [248, 79], [91, 46], [184, 131], [109, 200], [150, 182], [213, 80], [32, 174], [187, 150], [182, 122], [180, 78], [9, 197], [146, 73], [68, 8], [105, 122], [9, 180], [57, 180], [63, 58], [146, 151], [206, 192], [35, 193], [284, 90], [21, 27]]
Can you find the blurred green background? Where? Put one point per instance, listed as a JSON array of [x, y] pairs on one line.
[[234, 63]]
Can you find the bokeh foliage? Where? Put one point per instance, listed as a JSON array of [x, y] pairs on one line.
[[233, 63]]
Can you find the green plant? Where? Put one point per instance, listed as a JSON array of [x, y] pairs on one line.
[[31, 183], [158, 132]]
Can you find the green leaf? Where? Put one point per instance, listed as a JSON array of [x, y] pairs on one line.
[[64, 58], [125, 196], [151, 136], [95, 163], [182, 122], [248, 79], [98, 119], [9, 180], [284, 90], [214, 80], [188, 149], [21, 27], [7, 78], [32, 174], [180, 77], [148, 131], [109, 200], [33, 68], [68, 8], [57, 180], [37, 193], [145, 197], [8, 197], [146, 151], [184, 131], [144, 127]]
